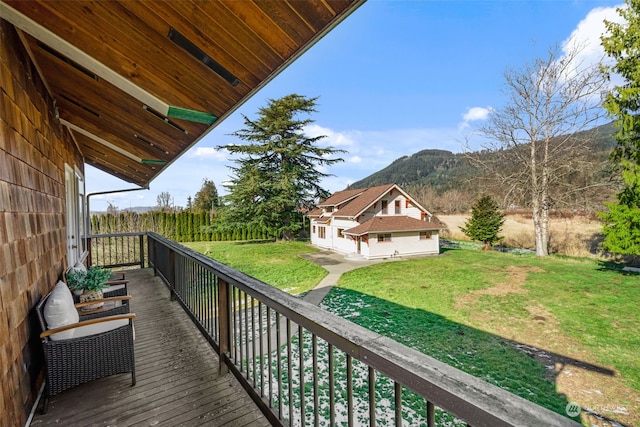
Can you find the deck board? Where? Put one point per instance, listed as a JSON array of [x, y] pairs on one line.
[[176, 371]]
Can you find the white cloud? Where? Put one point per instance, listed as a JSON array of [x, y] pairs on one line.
[[585, 38], [333, 138], [474, 114], [355, 159], [588, 32], [208, 153]]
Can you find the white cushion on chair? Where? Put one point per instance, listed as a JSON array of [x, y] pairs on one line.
[[59, 310], [98, 328]]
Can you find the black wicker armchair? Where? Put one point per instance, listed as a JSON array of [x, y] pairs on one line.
[[85, 349]]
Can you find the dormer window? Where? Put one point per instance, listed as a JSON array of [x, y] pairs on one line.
[[329, 209], [383, 210]]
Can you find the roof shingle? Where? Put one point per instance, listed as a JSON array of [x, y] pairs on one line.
[[379, 224]]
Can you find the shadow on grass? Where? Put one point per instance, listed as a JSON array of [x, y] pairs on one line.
[[619, 266], [253, 242], [526, 371]]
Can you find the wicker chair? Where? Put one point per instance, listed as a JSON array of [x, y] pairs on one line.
[[92, 348]]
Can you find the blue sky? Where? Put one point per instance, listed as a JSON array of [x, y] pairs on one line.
[[394, 78]]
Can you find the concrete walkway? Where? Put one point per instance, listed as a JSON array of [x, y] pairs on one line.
[[336, 264]]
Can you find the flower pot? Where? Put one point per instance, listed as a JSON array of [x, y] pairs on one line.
[[88, 296]]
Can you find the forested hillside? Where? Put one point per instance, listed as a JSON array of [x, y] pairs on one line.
[[450, 182]]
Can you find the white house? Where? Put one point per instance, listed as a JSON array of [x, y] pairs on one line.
[[375, 222]]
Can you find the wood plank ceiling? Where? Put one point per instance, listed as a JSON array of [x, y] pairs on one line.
[[133, 99]]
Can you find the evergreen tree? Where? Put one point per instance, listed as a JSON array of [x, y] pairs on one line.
[[276, 169], [622, 221], [485, 222], [206, 199]]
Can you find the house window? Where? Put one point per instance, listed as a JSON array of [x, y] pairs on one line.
[[383, 211], [340, 235], [425, 235], [397, 207], [314, 229], [321, 232], [384, 237]]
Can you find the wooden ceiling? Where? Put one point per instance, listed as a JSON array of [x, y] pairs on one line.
[[133, 99]]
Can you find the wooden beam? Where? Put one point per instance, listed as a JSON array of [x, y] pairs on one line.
[[100, 140]]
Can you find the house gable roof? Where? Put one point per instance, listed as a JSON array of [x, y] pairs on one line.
[[394, 223], [366, 198], [341, 197]]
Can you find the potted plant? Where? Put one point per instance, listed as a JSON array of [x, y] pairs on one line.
[[89, 284]]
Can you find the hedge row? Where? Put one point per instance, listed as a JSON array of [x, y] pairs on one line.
[[182, 226]]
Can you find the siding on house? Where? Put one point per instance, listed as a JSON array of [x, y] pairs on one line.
[[360, 215], [33, 151]]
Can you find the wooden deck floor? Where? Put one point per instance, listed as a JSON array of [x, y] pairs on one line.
[[177, 376]]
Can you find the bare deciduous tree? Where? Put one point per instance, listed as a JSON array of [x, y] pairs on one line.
[[165, 201], [540, 136]]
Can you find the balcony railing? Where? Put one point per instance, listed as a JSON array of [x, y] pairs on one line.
[[305, 366], [117, 250]]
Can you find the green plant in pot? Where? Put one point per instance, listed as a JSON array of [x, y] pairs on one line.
[[89, 283]]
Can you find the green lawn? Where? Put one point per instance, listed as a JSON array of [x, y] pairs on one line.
[[590, 314], [459, 308], [277, 264]]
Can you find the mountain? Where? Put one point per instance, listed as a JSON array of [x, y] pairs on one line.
[[445, 170], [438, 168]]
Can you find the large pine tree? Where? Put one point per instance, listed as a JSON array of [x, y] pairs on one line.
[[276, 174]]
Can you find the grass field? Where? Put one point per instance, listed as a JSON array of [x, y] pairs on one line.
[[277, 264], [464, 306], [572, 236], [549, 329]]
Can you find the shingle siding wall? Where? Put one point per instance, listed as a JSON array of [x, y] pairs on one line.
[[33, 151]]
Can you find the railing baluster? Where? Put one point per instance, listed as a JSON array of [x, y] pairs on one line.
[[216, 307], [301, 368], [239, 341], [224, 313], [431, 414], [349, 391], [269, 358], [246, 334], [397, 393], [332, 390], [141, 252], [279, 364], [372, 397], [261, 338], [253, 340], [316, 397], [289, 371]]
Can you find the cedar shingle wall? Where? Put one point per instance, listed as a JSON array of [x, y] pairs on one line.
[[33, 151]]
